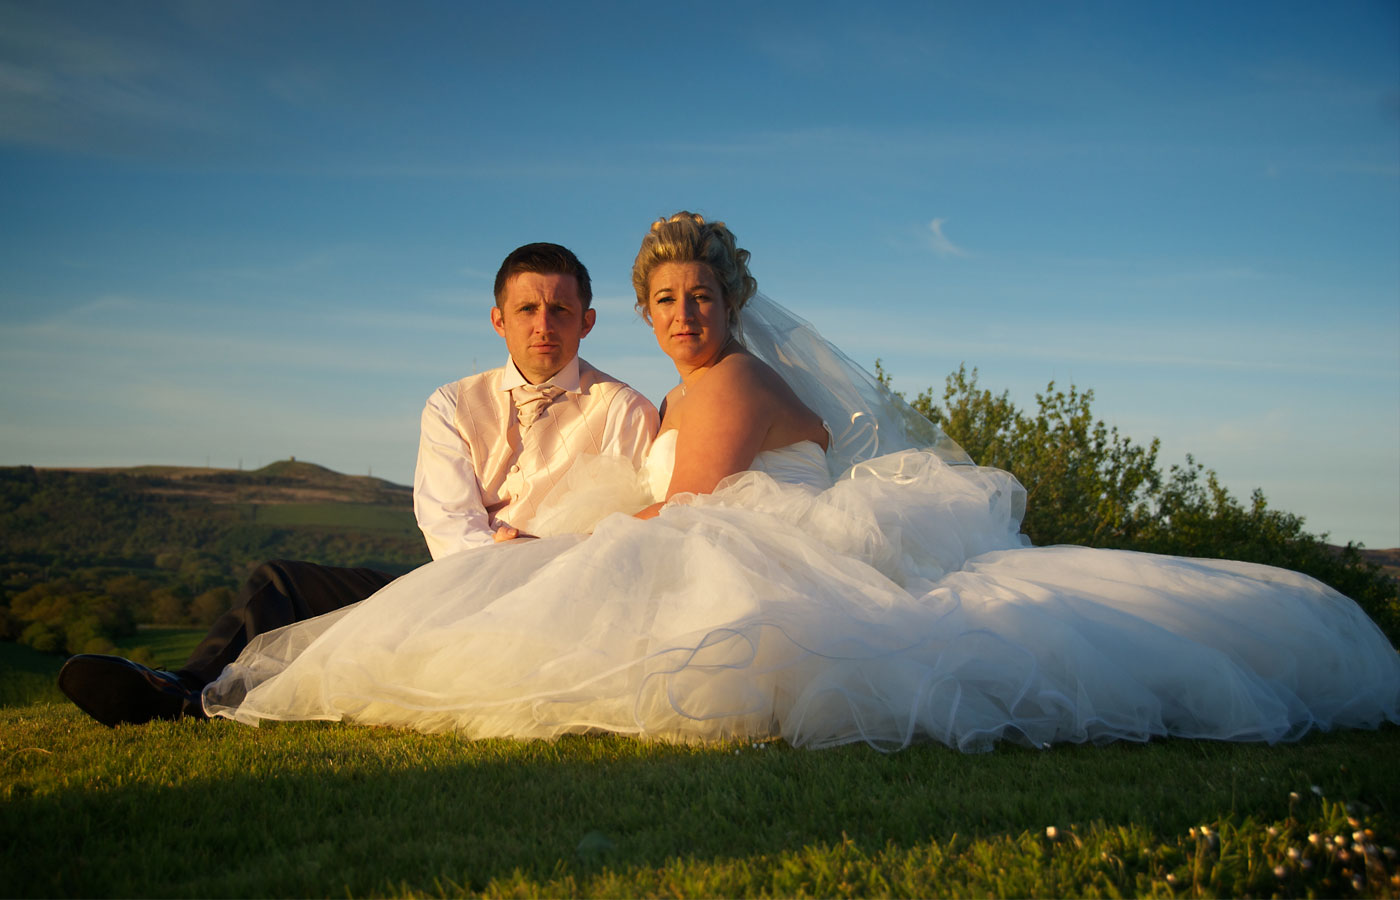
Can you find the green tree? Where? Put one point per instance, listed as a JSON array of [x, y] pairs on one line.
[[1087, 484], [209, 605], [42, 637], [169, 606]]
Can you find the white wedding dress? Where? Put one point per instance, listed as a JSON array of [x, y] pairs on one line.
[[895, 603]]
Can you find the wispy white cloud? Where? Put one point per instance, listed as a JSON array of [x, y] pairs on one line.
[[226, 425], [1274, 170], [894, 50], [616, 306], [140, 82], [1340, 349], [310, 261], [62, 85], [940, 241], [801, 54], [300, 84], [187, 341], [865, 47], [1384, 170], [478, 275]]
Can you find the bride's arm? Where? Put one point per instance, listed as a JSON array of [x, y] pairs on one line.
[[726, 418]]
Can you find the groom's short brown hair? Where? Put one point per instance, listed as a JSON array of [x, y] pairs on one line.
[[544, 259]]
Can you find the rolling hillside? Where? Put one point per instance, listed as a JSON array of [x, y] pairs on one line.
[[87, 554], [285, 481]]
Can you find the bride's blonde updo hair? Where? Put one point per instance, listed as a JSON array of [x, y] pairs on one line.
[[687, 237]]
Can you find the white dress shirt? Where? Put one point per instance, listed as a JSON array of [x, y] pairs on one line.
[[478, 469]]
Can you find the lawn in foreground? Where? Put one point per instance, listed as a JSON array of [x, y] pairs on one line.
[[217, 809]]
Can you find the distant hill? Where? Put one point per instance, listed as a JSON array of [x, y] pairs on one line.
[[284, 481], [125, 515], [169, 544], [1388, 560]]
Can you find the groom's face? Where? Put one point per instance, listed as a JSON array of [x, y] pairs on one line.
[[542, 319]]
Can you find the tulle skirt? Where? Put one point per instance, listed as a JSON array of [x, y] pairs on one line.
[[898, 605]]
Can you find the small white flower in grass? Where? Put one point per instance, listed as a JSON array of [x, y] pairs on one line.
[[1315, 839], [1205, 830], [1293, 795], [1316, 790], [1051, 832], [1280, 872], [1358, 836], [1294, 853], [1191, 832], [1340, 841], [1389, 852], [1273, 831], [1357, 883], [1171, 879]]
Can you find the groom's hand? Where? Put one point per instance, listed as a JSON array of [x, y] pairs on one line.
[[506, 533]]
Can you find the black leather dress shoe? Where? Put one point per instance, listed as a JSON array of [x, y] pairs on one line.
[[114, 690]]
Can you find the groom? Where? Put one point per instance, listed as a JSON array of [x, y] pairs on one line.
[[491, 447]]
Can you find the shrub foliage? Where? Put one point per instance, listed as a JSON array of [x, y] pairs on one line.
[[1088, 484]]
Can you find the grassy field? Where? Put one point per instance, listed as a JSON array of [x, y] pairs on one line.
[[309, 809], [169, 647], [367, 516], [28, 677]]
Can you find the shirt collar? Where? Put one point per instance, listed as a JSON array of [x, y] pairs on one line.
[[566, 378]]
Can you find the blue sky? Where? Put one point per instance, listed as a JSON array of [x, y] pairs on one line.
[[237, 231]]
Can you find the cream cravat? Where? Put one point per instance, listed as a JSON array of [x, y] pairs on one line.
[[531, 401]]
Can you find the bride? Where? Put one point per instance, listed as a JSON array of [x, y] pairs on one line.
[[803, 556]]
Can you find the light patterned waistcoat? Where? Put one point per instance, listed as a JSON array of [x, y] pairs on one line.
[[516, 472]]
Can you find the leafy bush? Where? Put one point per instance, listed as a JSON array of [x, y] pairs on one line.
[[1087, 484]]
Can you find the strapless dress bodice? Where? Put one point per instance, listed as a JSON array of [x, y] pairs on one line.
[[802, 463]]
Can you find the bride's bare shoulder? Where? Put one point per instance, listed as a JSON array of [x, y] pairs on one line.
[[669, 401], [747, 387], [744, 372]]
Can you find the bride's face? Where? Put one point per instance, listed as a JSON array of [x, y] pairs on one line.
[[688, 313]]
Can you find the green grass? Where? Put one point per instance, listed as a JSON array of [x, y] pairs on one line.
[[217, 809], [366, 516], [28, 676], [168, 647]]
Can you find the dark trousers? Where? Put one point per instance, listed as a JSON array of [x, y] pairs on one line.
[[278, 593]]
